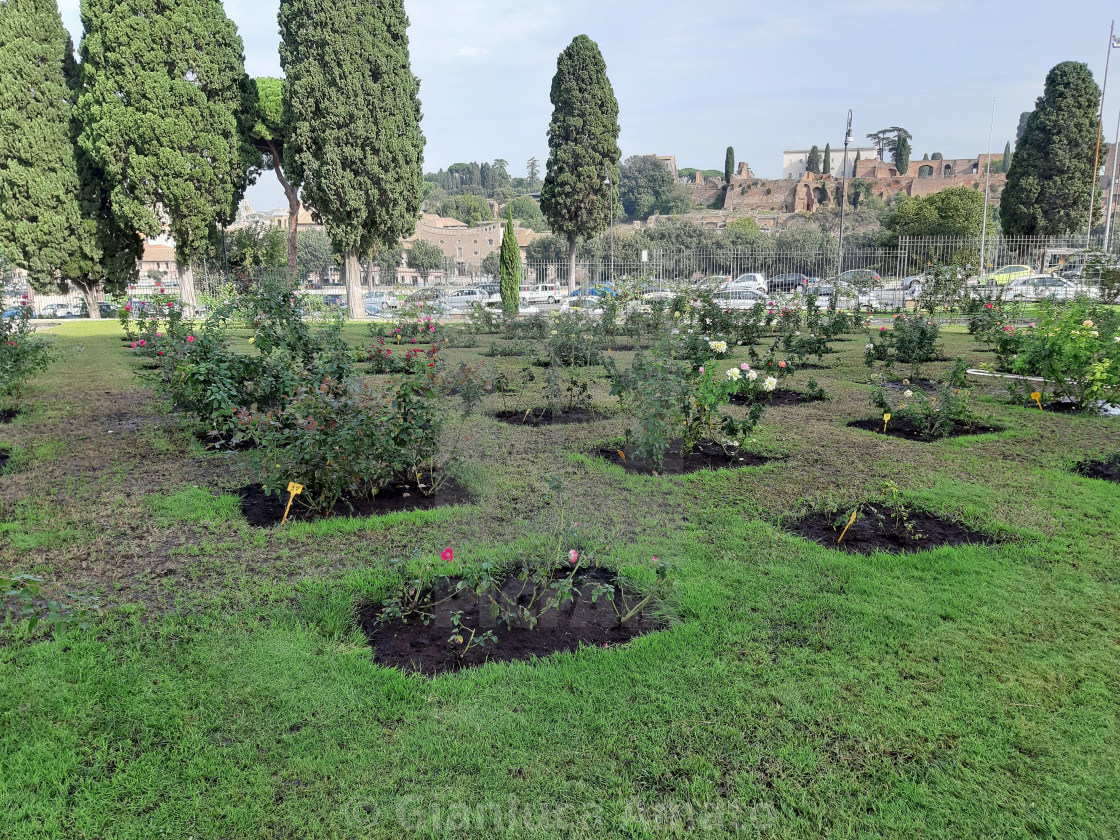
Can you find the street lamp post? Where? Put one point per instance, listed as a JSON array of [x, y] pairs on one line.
[[1113, 43], [844, 197], [987, 190]]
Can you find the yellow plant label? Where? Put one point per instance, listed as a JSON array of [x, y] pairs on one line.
[[886, 419], [1037, 397], [295, 489], [851, 522]]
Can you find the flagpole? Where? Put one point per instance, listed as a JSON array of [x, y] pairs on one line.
[[1100, 130]]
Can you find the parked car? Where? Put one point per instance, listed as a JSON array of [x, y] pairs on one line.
[[542, 293], [755, 281], [14, 312], [57, 310], [861, 277], [1004, 275], [379, 299], [1042, 287], [372, 309], [847, 296], [429, 298], [787, 283], [463, 298], [587, 304], [738, 298], [106, 309]]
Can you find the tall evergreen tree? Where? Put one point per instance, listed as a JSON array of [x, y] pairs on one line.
[[533, 171], [728, 165], [164, 109], [510, 269], [352, 123], [826, 167], [1006, 166], [267, 136], [813, 162], [583, 147], [1051, 175], [902, 154], [39, 215]]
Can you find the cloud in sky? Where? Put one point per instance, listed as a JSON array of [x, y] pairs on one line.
[[694, 79]]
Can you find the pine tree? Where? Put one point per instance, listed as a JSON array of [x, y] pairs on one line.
[[813, 162], [1051, 174], [510, 269], [1006, 158], [533, 171], [583, 147], [352, 122], [267, 135], [827, 167], [728, 165], [39, 215], [163, 108]]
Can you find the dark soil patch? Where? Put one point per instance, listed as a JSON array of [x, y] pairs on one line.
[[905, 429], [264, 511], [1067, 405], [8, 415], [546, 417], [5, 454], [149, 366], [413, 646], [882, 529], [705, 456], [1104, 470], [780, 397]]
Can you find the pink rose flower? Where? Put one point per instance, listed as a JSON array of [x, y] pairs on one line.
[[448, 554], [190, 338], [744, 366], [573, 556]]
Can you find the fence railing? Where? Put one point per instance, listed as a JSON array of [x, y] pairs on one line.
[[886, 270]]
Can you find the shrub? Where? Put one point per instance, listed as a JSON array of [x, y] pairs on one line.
[[1076, 348], [912, 341], [22, 353], [933, 416], [575, 339]]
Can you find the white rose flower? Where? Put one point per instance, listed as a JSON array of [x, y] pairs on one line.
[[770, 384], [718, 346], [908, 393], [1095, 334], [752, 375], [870, 346], [733, 374]]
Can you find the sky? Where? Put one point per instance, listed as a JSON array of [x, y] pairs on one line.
[[693, 80]]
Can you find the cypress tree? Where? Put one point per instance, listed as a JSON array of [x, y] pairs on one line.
[[39, 215], [728, 165], [352, 123], [1051, 174], [267, 135], [510, 269], [582, 147], [902, 154], [163, 106], [1006, 157], [813, 162], [827, 167]]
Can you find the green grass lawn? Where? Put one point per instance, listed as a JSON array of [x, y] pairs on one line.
[[799, 692]]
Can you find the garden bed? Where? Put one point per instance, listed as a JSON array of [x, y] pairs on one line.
[[777, 399], [882, 529], [8, 415], [426, 648], [705, 456], [1104, 470], [1068, 405], [264, 511], [920, 384], [5, 455], [537, 417], [901, 428]]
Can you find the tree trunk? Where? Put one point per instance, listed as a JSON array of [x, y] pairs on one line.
[[352, 277], [572, 263], [293, 214], [91, 302], [368, 282], [186, 285]]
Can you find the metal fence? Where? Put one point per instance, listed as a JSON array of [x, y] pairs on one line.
[[886, 270]]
